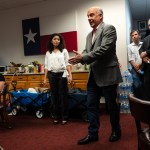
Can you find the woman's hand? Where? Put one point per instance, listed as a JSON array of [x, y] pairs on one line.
[[44, 81], [70, 78]]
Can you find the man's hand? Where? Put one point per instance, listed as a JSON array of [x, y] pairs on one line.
[[143, 54], [137, 67], [76, 59], [146, 59]]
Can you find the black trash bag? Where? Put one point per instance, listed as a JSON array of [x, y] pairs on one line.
[[77, 103]]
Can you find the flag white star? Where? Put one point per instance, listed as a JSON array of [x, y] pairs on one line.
[[30, 36]]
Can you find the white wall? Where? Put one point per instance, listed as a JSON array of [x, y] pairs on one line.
[[129, 26], [129, 22], [68, 15]]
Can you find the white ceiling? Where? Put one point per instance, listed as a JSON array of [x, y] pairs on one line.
[[139, 8]]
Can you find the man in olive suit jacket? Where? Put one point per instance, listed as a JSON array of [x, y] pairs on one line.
[[104, 76]]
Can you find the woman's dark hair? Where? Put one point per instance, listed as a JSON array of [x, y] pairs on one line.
[[50, 46]]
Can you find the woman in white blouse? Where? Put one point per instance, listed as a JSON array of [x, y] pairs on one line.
[[58, 71]]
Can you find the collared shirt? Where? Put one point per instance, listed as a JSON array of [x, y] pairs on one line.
[[133, 52], [94, 32]]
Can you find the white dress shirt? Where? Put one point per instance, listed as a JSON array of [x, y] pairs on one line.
[[133, 52]]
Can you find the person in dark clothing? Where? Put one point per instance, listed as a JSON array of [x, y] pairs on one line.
[[148, 30], [58, 71], [2, 82], [145, 55]]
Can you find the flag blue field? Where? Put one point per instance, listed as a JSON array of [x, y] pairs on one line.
[[31, 36]]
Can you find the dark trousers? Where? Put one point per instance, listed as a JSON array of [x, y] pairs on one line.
[[137, 84], [59, 95], [147, 83], [94, 94]]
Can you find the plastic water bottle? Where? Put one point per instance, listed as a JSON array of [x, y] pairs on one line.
[[126, 107], [121, 107], [120, 88], [141, 72], [127, 77], [123, 77], [120, 97], [124, 90], [130, 79]]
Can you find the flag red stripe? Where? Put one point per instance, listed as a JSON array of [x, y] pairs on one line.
[[69, 37]]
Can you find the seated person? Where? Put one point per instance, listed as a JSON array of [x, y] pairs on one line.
[[2, 112], [2, 82]]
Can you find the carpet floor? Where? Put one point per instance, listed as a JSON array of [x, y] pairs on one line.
[[30, 133]]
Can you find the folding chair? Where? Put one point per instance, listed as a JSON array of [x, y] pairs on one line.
[[140, 110]]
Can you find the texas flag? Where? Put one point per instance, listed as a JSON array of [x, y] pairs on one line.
[[34, 44]]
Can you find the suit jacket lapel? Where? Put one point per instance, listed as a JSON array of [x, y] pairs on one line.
[[98, 32], [89, 42]]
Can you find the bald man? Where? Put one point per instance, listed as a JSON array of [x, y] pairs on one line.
[[104, 75]]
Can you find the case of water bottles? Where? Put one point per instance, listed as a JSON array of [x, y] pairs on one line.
[[124, 89]]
